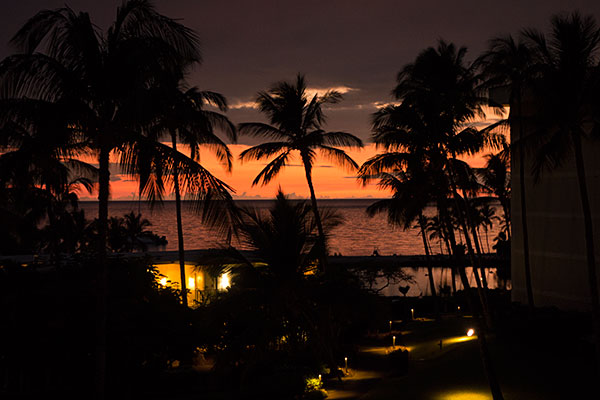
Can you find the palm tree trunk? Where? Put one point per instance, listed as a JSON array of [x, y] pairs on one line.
[[526, 261], [451, 245], [101, 296], [589, 243], [507, 217], [313, 199], [486, 359], [429, 267], [463, 215], [479, 253], [179, 227]]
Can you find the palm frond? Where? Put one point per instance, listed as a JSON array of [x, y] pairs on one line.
[[338, 157], [272, 169], [263, 150]]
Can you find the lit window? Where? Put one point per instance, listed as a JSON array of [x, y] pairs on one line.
[[224, 281]]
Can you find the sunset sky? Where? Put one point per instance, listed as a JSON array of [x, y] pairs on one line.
[[354, 46]]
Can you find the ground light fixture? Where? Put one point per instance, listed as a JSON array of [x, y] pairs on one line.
[[394, 341], [346, 363], [470, 332]]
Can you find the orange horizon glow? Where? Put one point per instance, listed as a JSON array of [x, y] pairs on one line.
[[330, 181]]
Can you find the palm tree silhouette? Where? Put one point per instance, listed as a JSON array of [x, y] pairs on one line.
[[110, 83], [508, 62], [438, 98], [297, 126], [185, 119], [411, 192], [286, 250], [566, 85]]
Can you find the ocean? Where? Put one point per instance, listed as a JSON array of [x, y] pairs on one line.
[[358, 235]]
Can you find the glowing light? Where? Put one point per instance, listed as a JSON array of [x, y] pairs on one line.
[[470, 332], [464, 396], [163, 281], [393, 341], [224, 281], [412, 313], [191, 283], [346, 363]]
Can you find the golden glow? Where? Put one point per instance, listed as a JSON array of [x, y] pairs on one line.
[[464, 395], [470, 332], [163, 281], [191, 283], [224, 282], [458, 339]]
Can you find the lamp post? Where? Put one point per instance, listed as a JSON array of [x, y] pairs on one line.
[[412, 313], [390, 325], [394, 342], [346, 363]]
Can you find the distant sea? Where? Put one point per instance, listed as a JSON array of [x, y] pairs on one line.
[[359, 235]]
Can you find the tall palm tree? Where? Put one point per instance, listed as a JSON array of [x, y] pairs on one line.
[[411, 193], [110, 83], [509, 63], [496, 181], [438, 98], [296, 125], [566, 89], [185, 120], [285, 250]]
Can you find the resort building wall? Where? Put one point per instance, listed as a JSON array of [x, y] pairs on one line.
[[556, 231]]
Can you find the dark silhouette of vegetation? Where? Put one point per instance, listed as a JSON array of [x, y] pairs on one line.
[[439, 96], [297, 126], [565, 88], [509, 63], [281, 321], [185, 119]]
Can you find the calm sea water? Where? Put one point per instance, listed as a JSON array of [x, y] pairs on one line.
[[359, 235]]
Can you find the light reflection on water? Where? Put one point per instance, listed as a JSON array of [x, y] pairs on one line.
[[359, 235]]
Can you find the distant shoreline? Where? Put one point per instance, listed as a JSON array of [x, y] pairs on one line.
[[271, 199]]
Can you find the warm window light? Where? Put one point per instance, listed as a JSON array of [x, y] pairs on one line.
[[224, 281], [163, 281], [191, 283], [470, 332]]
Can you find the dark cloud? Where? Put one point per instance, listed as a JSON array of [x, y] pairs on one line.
[[248, 45]]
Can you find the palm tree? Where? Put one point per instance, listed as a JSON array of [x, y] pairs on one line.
[[508, 63], [109, 82], [297, 126], [39, 171], [486, 216], [185, 118], [285, 254], [566, 89], [411, 192], [496, 180], [438, 98]]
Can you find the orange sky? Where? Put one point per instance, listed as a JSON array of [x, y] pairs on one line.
[[330, 181]]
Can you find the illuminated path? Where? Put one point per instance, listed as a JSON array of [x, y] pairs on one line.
[[364, 383]]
